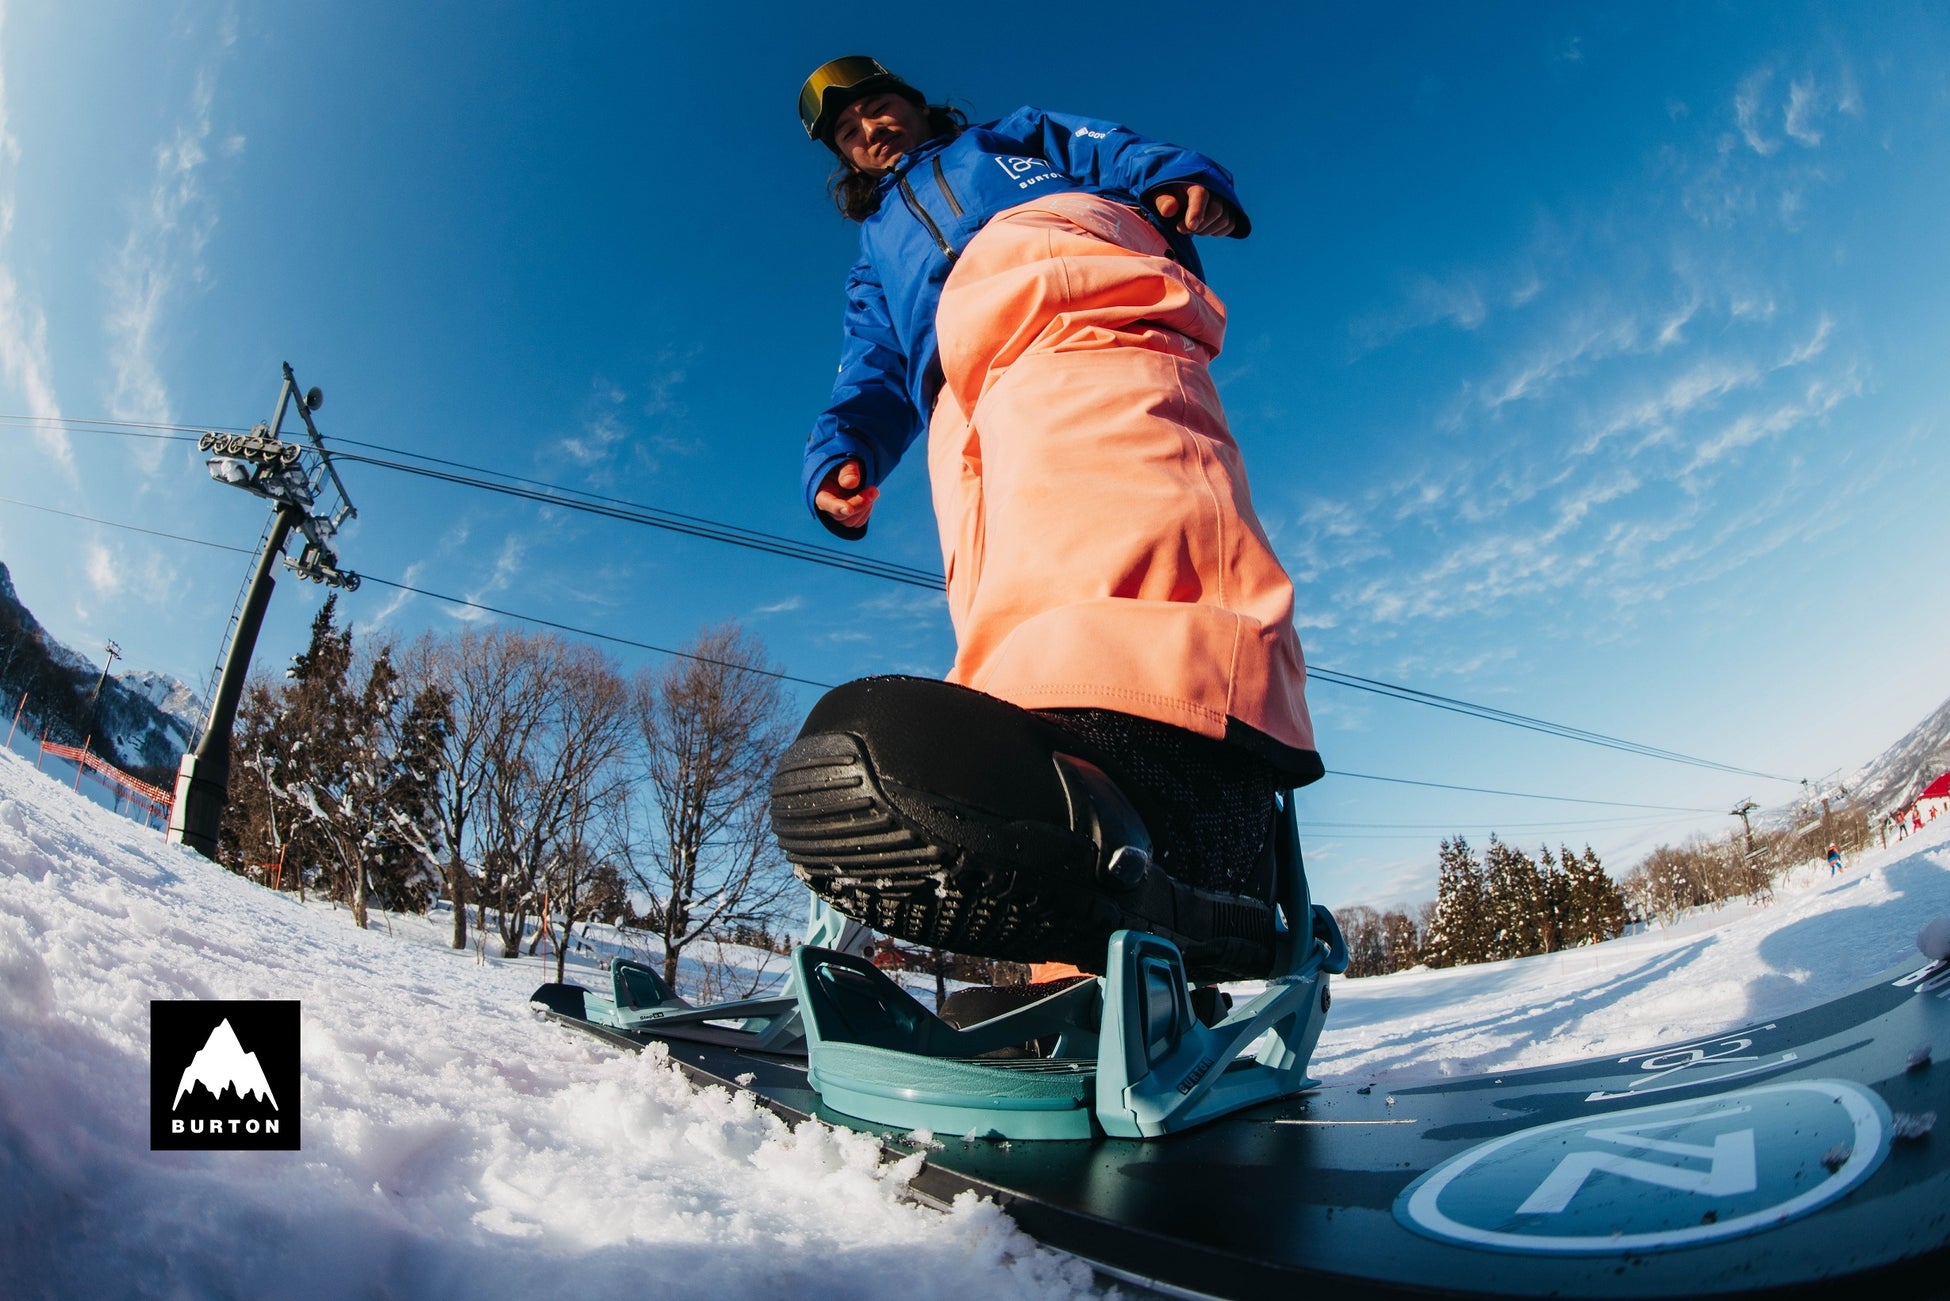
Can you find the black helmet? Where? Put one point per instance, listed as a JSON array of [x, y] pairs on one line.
[[834, 85]]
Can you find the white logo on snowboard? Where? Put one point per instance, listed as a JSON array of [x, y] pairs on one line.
[[1655, 1178], [1729, 1168]]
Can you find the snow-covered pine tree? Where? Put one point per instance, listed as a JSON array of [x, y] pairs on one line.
[[407, 865], [1518, 902], [341, 764], [326, 755], [1607, 907], [1459, 926], [258, 837], [1557, 898], [1596, 907], [307, 747]]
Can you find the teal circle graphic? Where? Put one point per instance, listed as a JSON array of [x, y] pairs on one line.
[[1656, 1178]]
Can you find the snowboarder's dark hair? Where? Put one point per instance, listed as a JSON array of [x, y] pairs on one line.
[[855, 193]]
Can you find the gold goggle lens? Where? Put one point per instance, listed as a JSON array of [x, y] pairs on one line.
[[840, 74]]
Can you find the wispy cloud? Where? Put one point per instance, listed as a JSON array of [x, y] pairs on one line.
[[399, 599], [602, 429], [1672, 329], [1751, 173], [1816, 344], [507, 567], [631, 429], [103, 570], [23, 326], [1558, 356], [1803, 107], [1820, 398], [1700, 385], [1459, 301], [1750, 111], [162, 252]]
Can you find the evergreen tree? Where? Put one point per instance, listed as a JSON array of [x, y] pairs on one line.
[[1557, 899], [1518, 902], [289, 737], [330, 757], [411, 851], [1459, 926], [1596, 910]]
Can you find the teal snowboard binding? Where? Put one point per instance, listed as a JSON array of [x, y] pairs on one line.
[[1131, 1059], [641, 1006]]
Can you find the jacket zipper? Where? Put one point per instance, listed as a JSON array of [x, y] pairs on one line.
[[941, 179], [914, 206]]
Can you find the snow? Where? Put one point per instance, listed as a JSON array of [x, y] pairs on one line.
[[1714, 971], [457, 1146]]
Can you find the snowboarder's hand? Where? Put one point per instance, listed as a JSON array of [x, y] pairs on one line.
[[841, 496], [1193, 209]]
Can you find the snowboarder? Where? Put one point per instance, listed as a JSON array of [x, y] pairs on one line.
[[1127, 698], [1834, 860]]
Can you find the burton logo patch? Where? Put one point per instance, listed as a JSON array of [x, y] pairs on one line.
[[1654, 1178], [223, 1075]]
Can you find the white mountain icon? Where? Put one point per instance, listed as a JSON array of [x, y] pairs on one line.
[[222, 1063]]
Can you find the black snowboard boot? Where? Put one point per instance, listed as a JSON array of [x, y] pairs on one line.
[[947, 817]]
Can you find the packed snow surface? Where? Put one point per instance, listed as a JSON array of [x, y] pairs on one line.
[[457, 1146]]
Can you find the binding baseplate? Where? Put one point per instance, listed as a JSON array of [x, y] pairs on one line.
[[1131, 1058], [641, 1005]]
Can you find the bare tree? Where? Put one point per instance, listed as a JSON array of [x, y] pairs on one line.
[[713, 725], [563, 728], [477, 673], [580, 882], [580, 887]]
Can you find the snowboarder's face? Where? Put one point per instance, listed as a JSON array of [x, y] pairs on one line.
[[873, 133]]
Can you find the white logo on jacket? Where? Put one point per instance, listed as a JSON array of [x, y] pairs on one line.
[[1025, 172]]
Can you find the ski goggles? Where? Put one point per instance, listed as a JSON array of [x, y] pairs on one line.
[[834, 85]]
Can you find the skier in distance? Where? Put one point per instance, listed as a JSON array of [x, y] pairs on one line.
[[1127, 697]]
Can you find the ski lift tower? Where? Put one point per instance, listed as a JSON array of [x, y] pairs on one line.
[[260, 463]]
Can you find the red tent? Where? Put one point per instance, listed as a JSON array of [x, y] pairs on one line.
[[1938, 789]]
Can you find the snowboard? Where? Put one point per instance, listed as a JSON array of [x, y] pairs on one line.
[[1780, 1159]]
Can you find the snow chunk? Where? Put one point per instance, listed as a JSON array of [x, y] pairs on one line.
[[1909, 1126], [1934, 938]]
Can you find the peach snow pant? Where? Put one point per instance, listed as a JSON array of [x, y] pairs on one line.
[[1101, 548]]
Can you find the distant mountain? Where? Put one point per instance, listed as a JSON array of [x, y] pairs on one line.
[[141, 720], [1907, 766]]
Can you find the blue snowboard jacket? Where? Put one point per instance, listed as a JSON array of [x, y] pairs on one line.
[[931, 205]]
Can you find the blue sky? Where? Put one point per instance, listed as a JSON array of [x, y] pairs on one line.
[[1588, 361]]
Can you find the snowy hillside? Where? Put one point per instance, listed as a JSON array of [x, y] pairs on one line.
[[171, 696], [456, 1146], [146, 718], [1899, 772]]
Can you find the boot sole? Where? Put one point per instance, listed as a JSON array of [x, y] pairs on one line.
[[930, 871]]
